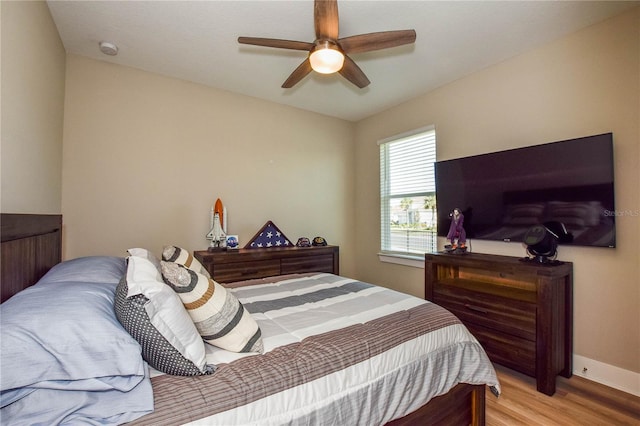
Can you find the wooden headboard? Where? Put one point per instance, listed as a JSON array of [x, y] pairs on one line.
[[31, 245]]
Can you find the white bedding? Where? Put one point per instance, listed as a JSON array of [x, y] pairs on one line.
[[372, 391]]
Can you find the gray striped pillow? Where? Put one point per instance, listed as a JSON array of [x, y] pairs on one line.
[[218, 315]]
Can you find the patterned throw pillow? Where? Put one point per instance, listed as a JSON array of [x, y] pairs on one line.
[[184, 258], [156, 350], [164, 311], [218, 315]]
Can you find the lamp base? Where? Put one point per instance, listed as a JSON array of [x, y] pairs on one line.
[[541, 260], [458, 250]]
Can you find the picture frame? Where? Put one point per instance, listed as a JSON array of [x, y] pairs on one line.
[[269, 236]]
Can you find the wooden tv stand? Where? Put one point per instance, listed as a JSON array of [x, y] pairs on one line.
[[521, 312]]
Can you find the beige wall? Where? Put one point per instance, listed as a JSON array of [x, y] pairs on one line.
[[146, 156], [584, 84], [33, 68]]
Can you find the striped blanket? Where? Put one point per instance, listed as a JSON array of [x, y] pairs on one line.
[[337, 351]]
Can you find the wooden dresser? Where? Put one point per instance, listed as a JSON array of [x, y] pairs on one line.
[[521, 312], [245, 264]]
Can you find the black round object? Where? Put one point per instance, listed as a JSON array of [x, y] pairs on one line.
[[541, 243], [319, 241]]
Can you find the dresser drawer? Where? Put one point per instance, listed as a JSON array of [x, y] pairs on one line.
[[297, 265], [245, 264], [514, 317], [229, 272], [513, 352]]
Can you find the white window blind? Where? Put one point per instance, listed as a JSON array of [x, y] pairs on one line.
[[407, 193]]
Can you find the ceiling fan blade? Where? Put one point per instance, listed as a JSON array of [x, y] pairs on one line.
[[325, 18], [274, 42], [376, 41], [352, 72], [298, 74]]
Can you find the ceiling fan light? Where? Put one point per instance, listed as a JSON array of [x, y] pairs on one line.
[[326, 60]]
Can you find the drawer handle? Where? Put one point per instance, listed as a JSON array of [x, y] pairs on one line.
[[476, 309]]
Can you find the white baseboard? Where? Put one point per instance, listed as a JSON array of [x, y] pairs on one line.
[[609, 375]]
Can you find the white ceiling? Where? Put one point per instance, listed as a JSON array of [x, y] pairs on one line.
[[197, 41]]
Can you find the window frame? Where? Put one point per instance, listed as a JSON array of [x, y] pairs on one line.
[[386, 253]]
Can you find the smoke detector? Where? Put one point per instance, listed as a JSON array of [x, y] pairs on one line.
[[108, 48]]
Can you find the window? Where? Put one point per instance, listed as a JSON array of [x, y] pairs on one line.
[[408, 193]]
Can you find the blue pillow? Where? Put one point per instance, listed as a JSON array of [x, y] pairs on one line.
[[90, 269], [64, 335]]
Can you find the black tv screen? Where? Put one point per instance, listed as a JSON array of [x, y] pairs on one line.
[[566, 185]]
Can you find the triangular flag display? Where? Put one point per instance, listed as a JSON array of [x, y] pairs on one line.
[[269, 236]]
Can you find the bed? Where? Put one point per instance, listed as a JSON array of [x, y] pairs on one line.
[[331, 350]]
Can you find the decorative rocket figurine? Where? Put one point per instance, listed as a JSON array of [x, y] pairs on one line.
[[218, 224]]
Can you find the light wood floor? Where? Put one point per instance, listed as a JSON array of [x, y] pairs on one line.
[[577, 401]]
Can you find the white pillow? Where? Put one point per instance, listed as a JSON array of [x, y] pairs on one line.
[[165, 310], [146, 254]]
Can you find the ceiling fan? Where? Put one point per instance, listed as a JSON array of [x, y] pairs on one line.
[[328, 53]]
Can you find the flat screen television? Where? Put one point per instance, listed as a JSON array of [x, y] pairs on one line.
[[567, 184]]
